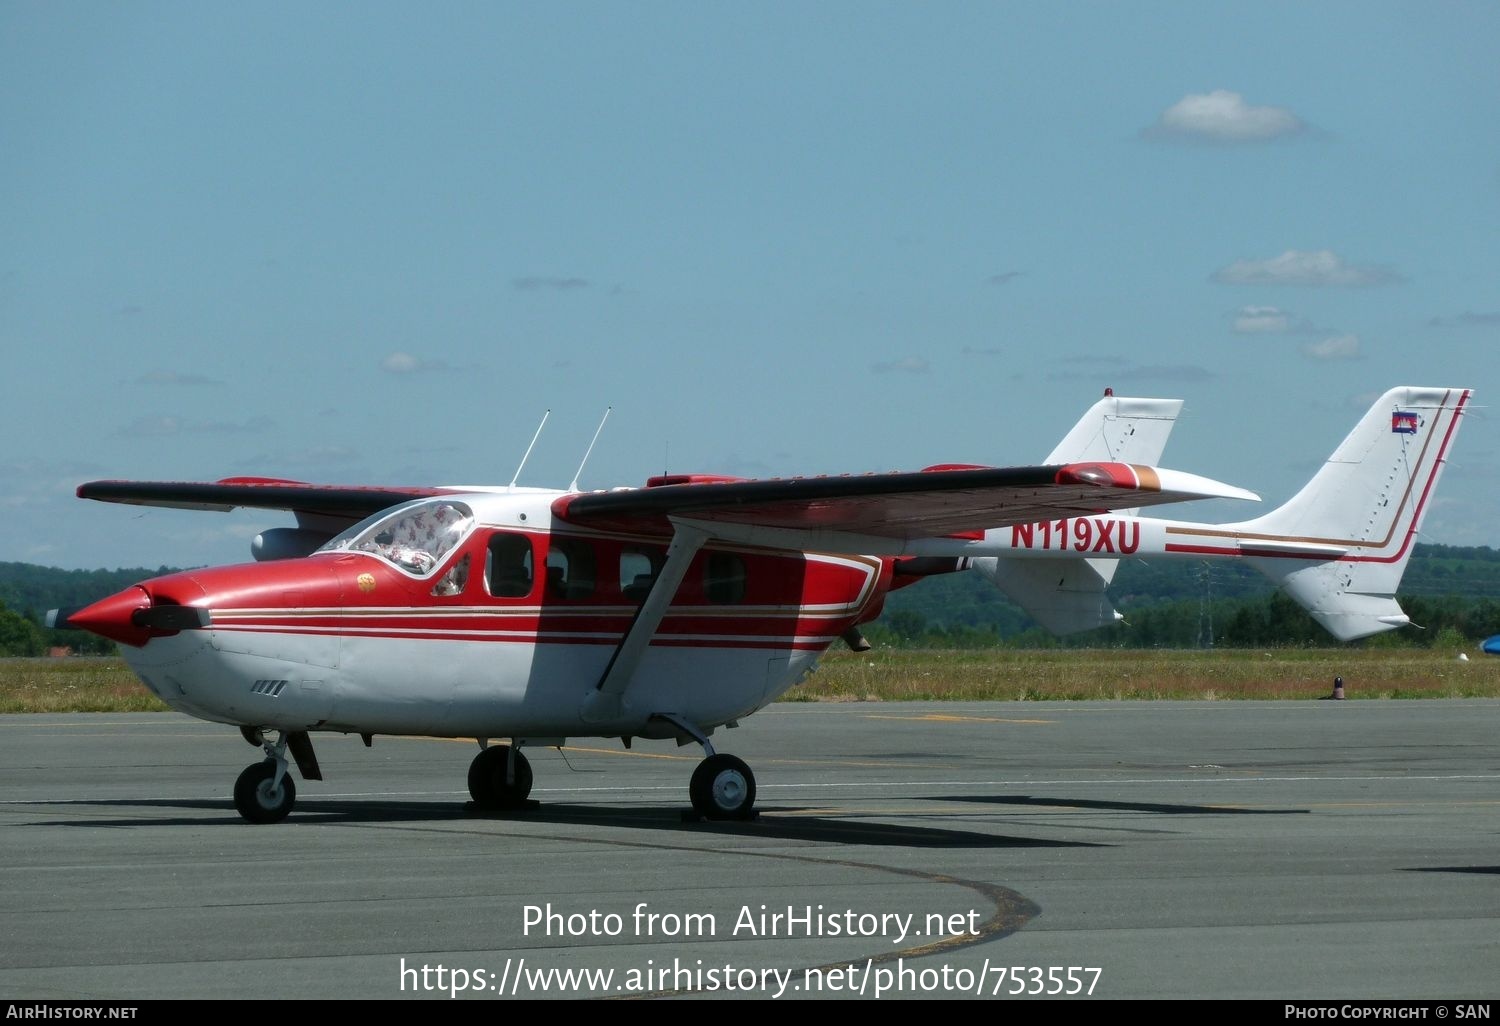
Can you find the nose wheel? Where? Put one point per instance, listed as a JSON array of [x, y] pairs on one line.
[[265, 793], [723, 788]]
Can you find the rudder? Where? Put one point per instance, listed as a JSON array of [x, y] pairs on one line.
[[1066, 596], [1364, 508]]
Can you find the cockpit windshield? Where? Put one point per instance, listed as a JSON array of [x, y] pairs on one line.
[[414, 537]]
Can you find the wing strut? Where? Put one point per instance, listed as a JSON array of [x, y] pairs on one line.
[[605, 703]]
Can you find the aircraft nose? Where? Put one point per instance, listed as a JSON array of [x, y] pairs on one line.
[[134, 616], [112, 617]]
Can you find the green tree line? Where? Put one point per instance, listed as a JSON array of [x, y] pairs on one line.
[[1266, 621], [27, 591], [1452, 592]]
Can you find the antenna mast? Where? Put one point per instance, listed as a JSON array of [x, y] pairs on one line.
[[545, 415], [607, 411]]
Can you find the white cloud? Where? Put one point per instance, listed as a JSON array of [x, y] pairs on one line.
[[1223, 116], [1113, 369], [549, 281], [1168, 372], [735, 465], [165, 426], [1303, 267], [311, 457], [31, 483], [406, 363], [1335, 347], [1467, 319], [1256, 320], [906, 365], [152, 427], [254, 425], [175, 378]]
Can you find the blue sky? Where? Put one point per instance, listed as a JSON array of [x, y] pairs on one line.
[[371, 243]]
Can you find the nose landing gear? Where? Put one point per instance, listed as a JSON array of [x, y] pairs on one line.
[[265, 793]]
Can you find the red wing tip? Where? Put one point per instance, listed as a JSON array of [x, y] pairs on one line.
[[259, 481], [1099, 475], [662, 480]]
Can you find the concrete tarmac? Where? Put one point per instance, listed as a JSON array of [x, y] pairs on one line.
[[1278, 850]]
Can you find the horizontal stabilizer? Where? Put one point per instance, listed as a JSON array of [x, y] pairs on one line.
[[1063, 595]]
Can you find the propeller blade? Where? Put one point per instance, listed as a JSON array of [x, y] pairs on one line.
[[58, 618]]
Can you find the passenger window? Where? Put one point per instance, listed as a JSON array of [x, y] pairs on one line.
[[570, 569], [724, 578], [452, 582], [638, 570], [507, 566]]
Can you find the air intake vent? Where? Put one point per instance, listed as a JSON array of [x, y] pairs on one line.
[[269, 688]]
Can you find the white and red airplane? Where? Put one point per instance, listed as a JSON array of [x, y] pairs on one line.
[[667, 611]]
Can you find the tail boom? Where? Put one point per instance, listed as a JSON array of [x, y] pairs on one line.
[[1339, 547]]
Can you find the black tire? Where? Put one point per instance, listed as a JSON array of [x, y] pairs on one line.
[[254, 798], [487, 784], [723, 788]]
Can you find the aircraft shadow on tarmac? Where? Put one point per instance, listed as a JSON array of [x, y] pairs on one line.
[[1493, 870], [1154, 808], [793, 823], [779, 822]]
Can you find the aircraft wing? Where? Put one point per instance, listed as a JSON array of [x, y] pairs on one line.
[[902, 506], [322, 511], [345, 502]]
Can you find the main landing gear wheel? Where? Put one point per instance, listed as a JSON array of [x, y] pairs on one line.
[[490, 782], [723, 788], [258, 800]]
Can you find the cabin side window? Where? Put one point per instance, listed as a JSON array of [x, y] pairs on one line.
[[724, 578], [638, 570], [416, 537], [454, 581], [508, 566], [570, 569]]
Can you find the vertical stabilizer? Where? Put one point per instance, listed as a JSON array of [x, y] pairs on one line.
[[1066, 596], [1118, 429], [1366, 505]]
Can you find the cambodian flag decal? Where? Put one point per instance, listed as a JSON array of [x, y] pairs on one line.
[[1403, 423]]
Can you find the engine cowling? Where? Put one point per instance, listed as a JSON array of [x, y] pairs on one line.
[[287, 543]]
